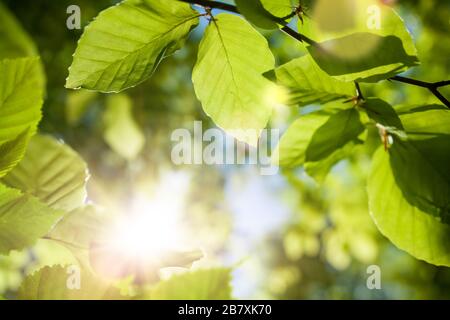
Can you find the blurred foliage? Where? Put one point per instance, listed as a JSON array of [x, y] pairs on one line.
[[323, 248]]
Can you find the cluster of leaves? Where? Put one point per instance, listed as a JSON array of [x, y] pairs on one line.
[[43, 192], [408, 184]]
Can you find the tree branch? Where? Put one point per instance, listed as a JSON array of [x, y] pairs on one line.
[[231, 8], [432, 87]]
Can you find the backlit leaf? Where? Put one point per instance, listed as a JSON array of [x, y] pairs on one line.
[[123, 46], [308, 84], [408, 227], [122, 133], [53, 283], [23, 219], [52, 172], [228, 76], [20, 97], [373, 43], [213, 284]]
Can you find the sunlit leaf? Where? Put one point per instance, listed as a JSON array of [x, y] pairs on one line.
[[308, 84], [123, 46], [11, 152], [20, 97], [409, 228], [383, 113], [340, 129], [23, 219], [373, 44], [14, 41], [228, 76], [110, 261], [79, 228], [52, 172], [291, 150], [77, 104], [421, 170], [213, 284], [426, 122], [122, 133], [54, 283], [263, 13]]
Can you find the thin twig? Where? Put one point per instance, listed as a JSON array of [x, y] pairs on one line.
[[432, 87], [360, 94]]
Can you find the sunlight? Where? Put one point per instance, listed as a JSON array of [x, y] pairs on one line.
[[151, 228]]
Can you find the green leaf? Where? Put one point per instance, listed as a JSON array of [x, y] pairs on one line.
[[122, 133], [291, 150], [384, 61], [53, 283], [256, 12], [409, 228], [308, 84], [340, 129], [23, 219], [14, 41], [21, 94], [212, 284], [123, 46], [11, 152], [422, 171], [279, 8], [373, 44], [79, 228], [319, 140], [52, 172], [77, 105], [319, 169], [382, 112], [228, 76], [426, 122]]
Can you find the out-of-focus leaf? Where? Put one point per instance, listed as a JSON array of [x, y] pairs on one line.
[[110, 261], [213, 284], [123, 46], [11, 152], [23, 219], [79, 228], [77, 104], [408, 227], [14, 41], [308, 84], [228, 76], [52, 172], [122, 133], [20, 97], [53, 283]]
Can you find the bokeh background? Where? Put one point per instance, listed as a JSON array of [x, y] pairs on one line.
[[285, 236]]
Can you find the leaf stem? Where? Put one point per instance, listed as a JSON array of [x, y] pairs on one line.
[[432, 87]]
